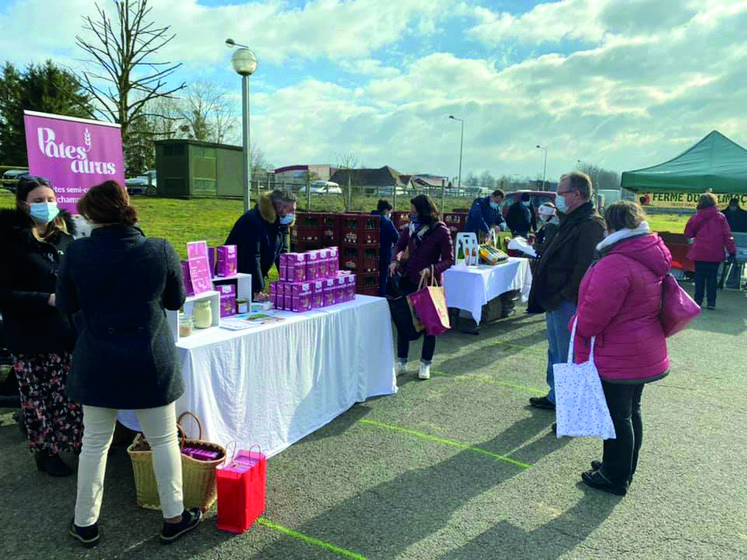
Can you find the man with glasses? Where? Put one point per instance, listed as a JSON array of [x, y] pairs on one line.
[[562, 266]]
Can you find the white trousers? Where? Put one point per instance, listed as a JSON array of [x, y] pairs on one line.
[[159, 427]]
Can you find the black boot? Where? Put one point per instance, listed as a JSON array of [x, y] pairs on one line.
[[52, 464]]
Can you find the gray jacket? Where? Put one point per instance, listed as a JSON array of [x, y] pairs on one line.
[[121, 283]]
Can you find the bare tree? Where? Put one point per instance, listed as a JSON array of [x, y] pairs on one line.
[[127, 78], [207, 112]]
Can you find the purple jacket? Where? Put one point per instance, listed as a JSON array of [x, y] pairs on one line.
[[619, 302], [435, 249], [712, 233]]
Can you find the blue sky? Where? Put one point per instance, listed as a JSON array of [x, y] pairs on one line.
[[622, 84]]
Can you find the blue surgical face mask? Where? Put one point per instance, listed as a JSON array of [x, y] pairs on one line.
[[414, 218], [525, 203], [287, 219], [494, 205], [561, 204], [44, 212]]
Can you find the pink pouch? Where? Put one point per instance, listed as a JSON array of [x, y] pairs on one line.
[[678, 309]]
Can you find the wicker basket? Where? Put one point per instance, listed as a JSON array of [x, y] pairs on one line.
[[198, 477]]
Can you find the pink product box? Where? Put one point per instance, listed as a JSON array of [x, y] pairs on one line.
[[227, 299], [332, 266], [213, 260], [295, 264], [349, 292], [312, 265], [283, 272], [317, 296], [187, 279], [330, 295], [226, 260], [301, 294], [322, 256], [339, 294], [201, 454]]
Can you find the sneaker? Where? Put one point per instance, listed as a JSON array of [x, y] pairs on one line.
[[425, 371], [400, 367], [542, 402], [597, 480], [87, 536], [172, 532]]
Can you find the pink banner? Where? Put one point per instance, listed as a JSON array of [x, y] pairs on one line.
[[74, 154]]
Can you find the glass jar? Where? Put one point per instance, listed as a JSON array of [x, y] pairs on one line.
[[242, 306], [203, 314], [186, 325]]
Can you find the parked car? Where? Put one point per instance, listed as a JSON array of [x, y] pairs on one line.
[[12, 176], [143, 184], [538, 198], [323, 187]]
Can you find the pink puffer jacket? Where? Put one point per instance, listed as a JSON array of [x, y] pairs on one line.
[[619, 303], [712, 233]]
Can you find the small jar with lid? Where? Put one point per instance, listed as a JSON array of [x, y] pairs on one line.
[[203, 314], [186, 325]]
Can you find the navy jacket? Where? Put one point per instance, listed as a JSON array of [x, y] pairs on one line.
[[121, 282], [482, 217], [388, 237], [28, 273], [260, 239]]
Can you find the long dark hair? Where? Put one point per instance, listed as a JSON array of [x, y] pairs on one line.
[[426, 209]]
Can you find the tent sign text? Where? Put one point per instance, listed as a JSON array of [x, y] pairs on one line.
[[683, 199]]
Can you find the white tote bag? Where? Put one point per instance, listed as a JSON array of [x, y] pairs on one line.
[[580, 406]]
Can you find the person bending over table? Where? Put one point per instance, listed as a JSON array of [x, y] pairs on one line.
[[426, 243], [118, 283], [485, 215], [261, 236]]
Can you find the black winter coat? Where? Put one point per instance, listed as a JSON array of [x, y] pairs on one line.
[[521, 219], [260, 239], [28, 273], [125, 356], [566, 258]]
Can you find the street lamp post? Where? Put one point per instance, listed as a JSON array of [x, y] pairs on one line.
[[544, 169], [461, 146], [244, 63]]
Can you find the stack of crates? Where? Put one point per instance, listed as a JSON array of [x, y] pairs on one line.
[[307, 233], [455, 221], [360, 250]]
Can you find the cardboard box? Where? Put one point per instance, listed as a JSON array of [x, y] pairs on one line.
[[227, 299], [317, 296], [301, 295], [330, 293], [226, 261]]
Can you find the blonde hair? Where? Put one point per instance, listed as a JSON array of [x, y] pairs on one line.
[[706, 201]]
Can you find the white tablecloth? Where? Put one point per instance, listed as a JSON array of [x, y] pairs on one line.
[[275, 384], [470, 288]]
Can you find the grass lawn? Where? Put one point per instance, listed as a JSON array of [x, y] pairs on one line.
[[181, 221]]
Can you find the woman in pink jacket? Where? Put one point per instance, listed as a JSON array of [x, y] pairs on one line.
[[619, 302], [711, 232]]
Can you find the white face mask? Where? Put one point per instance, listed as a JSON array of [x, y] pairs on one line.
[[561, 204]]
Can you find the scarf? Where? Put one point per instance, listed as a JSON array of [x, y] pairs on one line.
[[620, 235]]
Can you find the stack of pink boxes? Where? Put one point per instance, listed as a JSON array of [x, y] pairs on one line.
[[311, 280]]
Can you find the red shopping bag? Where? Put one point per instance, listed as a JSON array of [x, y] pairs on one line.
[[429, 306], [241, 490]]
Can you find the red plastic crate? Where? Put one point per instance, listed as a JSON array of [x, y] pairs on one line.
[[359, 229], [367, 283], [359, 259], [303, 246], [331, 229], [455, 221]]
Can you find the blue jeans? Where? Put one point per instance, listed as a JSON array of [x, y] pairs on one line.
[[558, 337]]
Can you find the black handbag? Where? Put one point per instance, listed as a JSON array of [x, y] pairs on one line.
[[402, 317]]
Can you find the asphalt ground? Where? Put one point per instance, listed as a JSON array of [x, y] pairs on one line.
[[458, 467]]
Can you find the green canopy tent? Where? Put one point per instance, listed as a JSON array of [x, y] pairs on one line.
[[715, 163]]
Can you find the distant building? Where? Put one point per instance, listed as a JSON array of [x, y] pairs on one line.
[[299, 173], [379, 182]]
